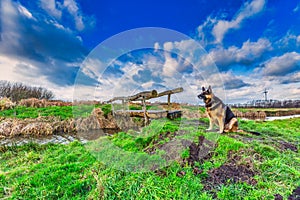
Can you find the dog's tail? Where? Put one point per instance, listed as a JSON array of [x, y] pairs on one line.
[[251, 132]]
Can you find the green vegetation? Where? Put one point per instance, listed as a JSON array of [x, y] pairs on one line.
[[106, 171], [190, 108], [30, 112], [140, 107], [64, 112]]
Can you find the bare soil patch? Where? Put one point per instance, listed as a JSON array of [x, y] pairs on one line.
[[281, 145], [295, 195], [235, 170]]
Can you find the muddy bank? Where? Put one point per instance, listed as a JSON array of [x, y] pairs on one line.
[[266, 114], [253, 115], [250, 114], [277, 113], [43, 126]]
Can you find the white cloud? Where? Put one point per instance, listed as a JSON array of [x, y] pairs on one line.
[[7, 72], [294, 78], [168, 46], [73, 9], [25, 12], [204, 28], [289, 41], [52, 7], [219, 28], [28, 56], [248, 10], [11, 69], [57, 9], [93, 68], [297, 8], [190, 56], [254, 91], [10, 14], [170, 66], [253, 50], [247, 54], [156, 46], [282, 65]]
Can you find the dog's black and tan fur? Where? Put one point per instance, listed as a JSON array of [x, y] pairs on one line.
[[218, 113]]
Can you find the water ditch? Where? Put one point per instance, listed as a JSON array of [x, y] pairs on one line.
[[85, 136], [63, 138]]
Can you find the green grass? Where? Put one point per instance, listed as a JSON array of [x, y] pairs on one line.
[[64, 112], [285, 129], [46, 172], [104, 169]]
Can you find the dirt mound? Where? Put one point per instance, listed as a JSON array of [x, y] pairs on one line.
[[295, 195], [278, 197], [201, 151], [174, 147], [288, 146], [235, 170]]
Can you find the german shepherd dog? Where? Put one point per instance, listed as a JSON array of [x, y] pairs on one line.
[[218, 113]]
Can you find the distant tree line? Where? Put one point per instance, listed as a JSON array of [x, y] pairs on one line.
[[18, 91], [269, 104]]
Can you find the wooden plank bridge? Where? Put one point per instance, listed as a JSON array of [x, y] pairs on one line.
[[148, 114]]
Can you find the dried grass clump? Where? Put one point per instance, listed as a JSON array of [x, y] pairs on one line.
[[33, 102], [41, 103], [5, 128], [37, 128], [6, 103]]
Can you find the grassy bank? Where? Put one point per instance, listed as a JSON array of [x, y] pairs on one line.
[[63, 112], [266, 165]]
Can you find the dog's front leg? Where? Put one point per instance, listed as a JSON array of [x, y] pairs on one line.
[[211, 124], [221, 122]]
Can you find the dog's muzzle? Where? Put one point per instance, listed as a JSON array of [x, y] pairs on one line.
[[201, 96]]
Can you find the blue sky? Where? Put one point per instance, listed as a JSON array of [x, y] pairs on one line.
[[244, 47]]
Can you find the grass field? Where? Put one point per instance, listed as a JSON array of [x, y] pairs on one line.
[[241, 166]]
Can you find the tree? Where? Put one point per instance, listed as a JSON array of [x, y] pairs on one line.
[[18, 91]]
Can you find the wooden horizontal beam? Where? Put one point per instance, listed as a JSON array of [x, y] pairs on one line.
[[146, 95], [176, 90], [138, 96]]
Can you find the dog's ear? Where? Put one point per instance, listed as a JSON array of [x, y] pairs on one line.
[[203, 88], [209, 90]]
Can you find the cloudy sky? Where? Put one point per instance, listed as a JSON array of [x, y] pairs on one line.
[[98, 49]]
